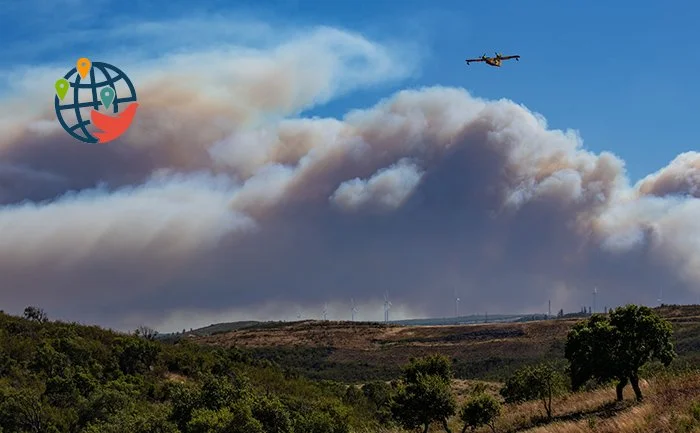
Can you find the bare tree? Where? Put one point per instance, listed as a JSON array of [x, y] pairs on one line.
[[146, 332], [36, 314]]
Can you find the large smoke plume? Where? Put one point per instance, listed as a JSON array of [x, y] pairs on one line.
[[223, 203]]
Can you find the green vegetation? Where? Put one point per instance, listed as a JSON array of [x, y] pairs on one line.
[[480, 409], [424, 395], [63, 377], [617, 347], [540, 382]]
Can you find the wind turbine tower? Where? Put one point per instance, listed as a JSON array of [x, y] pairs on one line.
[[325, 312], [595, 293], [456, 305], [387, 306], [661, 296], [354, 309]]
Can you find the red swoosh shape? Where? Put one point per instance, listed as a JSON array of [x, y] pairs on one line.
[[113, 127]]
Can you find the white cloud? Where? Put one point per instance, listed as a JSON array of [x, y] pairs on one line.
[[387, 189]]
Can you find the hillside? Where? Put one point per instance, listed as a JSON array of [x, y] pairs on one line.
[[356, 352], [68, 378], [220, 328]]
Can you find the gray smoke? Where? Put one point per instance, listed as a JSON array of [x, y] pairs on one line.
[[221, 203]]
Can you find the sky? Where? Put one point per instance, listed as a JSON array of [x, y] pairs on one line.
[[291, 154]]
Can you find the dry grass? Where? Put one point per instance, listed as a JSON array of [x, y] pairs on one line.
[[671, 405], [174, 377], [357, 336]]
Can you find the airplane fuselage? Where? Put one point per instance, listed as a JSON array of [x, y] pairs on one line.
[[493, 62]]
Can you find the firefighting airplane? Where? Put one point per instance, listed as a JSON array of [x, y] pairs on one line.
[[493, 61]]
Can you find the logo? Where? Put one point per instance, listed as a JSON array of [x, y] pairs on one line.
[[95, 102]]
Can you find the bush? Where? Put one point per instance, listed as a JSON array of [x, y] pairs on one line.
[[481, 409], [542, 382], [273, 415]]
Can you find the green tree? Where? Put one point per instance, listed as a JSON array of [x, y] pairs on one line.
[[318, 421], [148, 418], [540, 382], [185, 399], [136, 356], [480, 409], [272, 414], [380, 396], [22, 410], [425, 395], [236, 419], [617, 346], [106, 401], [219, 392], [432, 365]]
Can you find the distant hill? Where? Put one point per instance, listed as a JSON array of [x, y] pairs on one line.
[[359, 351], [219, 328], [214, 329], [461, 320]]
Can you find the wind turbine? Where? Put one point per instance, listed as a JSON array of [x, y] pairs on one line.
[[456, 305], [325, 311], [595, 293], [387, 306], [661, 296], [354, 309]]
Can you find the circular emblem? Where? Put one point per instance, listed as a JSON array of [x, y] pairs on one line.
[[95, 102]]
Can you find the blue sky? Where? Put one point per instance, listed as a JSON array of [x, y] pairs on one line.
[[622, 73]]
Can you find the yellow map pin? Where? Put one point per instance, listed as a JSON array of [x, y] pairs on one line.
[[83, 66]]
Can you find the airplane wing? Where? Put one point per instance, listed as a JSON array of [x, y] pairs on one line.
[[510, 57], [474, 60]]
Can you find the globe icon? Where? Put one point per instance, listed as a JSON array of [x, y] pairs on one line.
[[74, 109]]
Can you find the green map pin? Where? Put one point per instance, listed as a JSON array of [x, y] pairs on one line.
[[62, 85], [107, 96]]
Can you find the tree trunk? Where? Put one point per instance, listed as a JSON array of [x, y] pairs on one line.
[[425, 430], [445, 426], [464, 429], [621, 386], [493, 426], [547, 404], [634, 380]]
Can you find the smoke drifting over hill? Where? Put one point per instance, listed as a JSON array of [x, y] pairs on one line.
[[221, 203]]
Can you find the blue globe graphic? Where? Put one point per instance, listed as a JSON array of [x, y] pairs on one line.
[[73, 112]]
